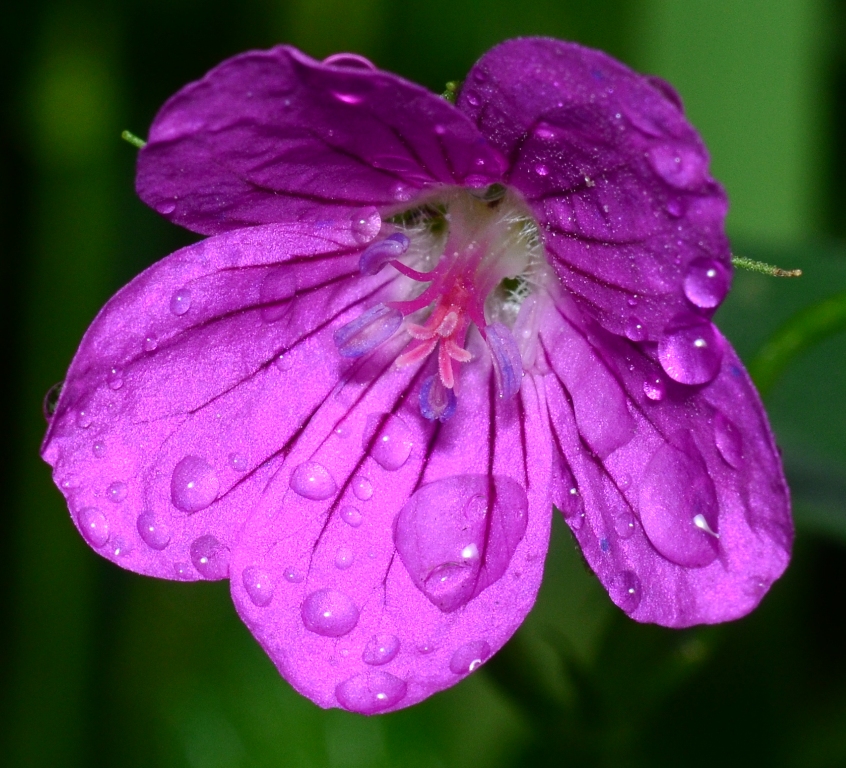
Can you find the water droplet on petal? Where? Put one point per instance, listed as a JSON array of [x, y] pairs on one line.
[[706, 283], [116, 492], [624, 524], [94, 526], [193, 484], [351, 516], [151, 343], [83, 419], [634, 329], [348, 98], [691, 350], [258, 586], [655, 389], [180, 302], [344, 558], [238, 462], [166, 207], [674, 489], [277, 288], [362, 488], [729, 441], [370, 692], [329, 613], [293, 575], [401, 193], [473, 100], [210, 557], [469, 657], [380, 649], [51, 400], [675, 208], [366, 223], [541, 169], [392, 446], [572, 506], [99, 449], [153, 533], [115, 378], [350, 61], [313, 481], [625, 590], [681, 167], [456, 536]]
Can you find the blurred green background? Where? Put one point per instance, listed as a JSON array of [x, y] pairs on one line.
[[99, 667]]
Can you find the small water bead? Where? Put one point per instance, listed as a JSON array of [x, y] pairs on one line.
[[284, 362], [655, 389], [380, 649], [635, 330], [348, 98], [691, 351], [180, 302], [541, 169], [675, 208], [151, 344], [729, 441], [293, 575], [393, 443], [238, 462], [625, 524], [401, 193], [425, 648], [99, 449], [258, 585], [83, 419], [681, 167], [362, 488], [119, 548], [210, 557], [115, 378], [69, 483], [573, 508], [183, 571], [366, 223], [166, 207], [473, 100], [625, 591], [469, 657], [51, 400], [94, 526], [277, 289], [153, 533], [632, 301], [116, 492], [329, 612], [193, 484], [344, 558], [370, 692], [706, 283], [351, 516], [313, 481]]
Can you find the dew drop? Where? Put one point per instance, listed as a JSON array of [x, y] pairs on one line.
[[681, 167], [210, 557], [351, 516], [729, 441], [691, 351], [119, 548], [94, 526], [344, 558], [180, 302], [541, 169], [389, 444], [655, 389], [469, 657], [69, 483], [366, 223], [151, 343], [116, 492], [99, 449], [400, 193], [51, 400], [632, 301], [370, 692], [350, 61], [425, 648], [624, 524], [115, 378], [635, 330], [380, 649], [313, 481], [258, 586], [362, 488], [293, 575], [153, 533], [166, 207], [473, 100], [625, 590], [238, 462], [284, 362], [706, 283], [675, 209], [83, 419], [193, 485], [277, 289], [573, 508], [348, 98], [329, 613]]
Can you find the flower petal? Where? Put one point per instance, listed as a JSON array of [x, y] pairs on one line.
[[684, 514], [185, 390], [614, 173], [275, 136], [421, 563]]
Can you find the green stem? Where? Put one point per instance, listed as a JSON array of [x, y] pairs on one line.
[[763, 268], [133, 139]]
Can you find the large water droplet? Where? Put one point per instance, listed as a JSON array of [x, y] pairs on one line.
[[729, 441], [362, 488], [366, 223], [624, 524], [389, 444], [166, 207], [210, 557], [674, 489], [277, 288], [351, 516], [456, 536], [469, 657], [51, 400], [329, 613], [681, 167], [691, 350], [350, 61], [370, 692], [380, 649], [193, 484], [94, 526], [344, 558], [625, 590], [313, 481], [258, 586], [153, 533], [180, 302], [706, 283], [116, 492]]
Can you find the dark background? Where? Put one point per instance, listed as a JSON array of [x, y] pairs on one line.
[[99, 667]]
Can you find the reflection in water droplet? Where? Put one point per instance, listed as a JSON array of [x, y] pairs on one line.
[[729, 441], [210, 557], [380, 649], [392, 446], [370, 692], [180, 302], [625, 590], [193, 484], [116, 492], [362, 488], [344, 558], [329, 613], [293, 575], [313, 481], [366, 223], [258, 586], [94, 526], [655, 389], [153, 533], [706, 283], [469, 657], [691, 351]]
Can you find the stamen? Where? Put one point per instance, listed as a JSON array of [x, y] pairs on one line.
[[436, 401], [368, 331], [376, 255], [507, 362]]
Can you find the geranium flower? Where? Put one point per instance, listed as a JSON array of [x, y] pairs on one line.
[[417, 326]]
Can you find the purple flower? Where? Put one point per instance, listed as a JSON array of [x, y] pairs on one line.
[[416, 328]]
